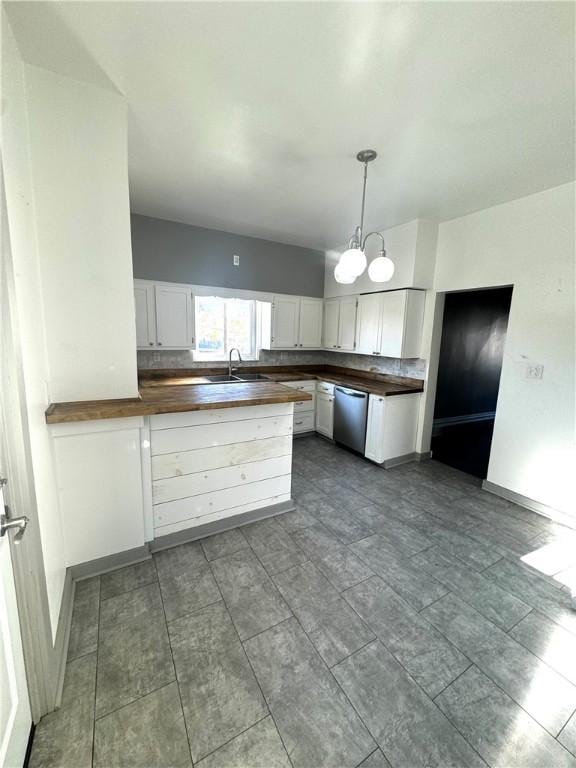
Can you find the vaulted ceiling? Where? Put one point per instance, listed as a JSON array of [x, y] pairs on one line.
[[247, 116]]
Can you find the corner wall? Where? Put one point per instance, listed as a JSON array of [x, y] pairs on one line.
[[528, 243]]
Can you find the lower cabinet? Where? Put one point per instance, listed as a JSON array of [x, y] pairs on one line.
[[391, 429], [304, 411], [325, 409]]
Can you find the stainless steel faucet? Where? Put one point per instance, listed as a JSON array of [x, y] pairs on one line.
[[234, 349]]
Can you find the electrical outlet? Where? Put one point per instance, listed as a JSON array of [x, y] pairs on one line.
[[236, 260], [534, 371]]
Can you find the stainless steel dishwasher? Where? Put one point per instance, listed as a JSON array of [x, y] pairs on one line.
[[350, 416]]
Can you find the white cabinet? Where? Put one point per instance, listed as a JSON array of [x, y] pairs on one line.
[[145, 315], [391, 428], [174, 317], [325, 414], [340, 323], [285, 321], [368, 330], [310, 330], [331, 319], [296, 322], [390, 323], [164, 315], [305, 409]]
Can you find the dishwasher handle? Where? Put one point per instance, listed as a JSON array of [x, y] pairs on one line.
[[351, 392]]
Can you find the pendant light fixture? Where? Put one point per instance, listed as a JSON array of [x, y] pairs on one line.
[[353, 262]]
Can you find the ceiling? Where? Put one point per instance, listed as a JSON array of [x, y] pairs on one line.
[[247, 116]]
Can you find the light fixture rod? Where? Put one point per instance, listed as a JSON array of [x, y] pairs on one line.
[[363, 203]]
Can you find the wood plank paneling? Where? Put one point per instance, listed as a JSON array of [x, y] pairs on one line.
[[173, 488], [208, 503], [226, 513], [204, 459], [197, 418], [208, 435]]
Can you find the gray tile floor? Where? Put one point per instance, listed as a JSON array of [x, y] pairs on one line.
[[389, 621]]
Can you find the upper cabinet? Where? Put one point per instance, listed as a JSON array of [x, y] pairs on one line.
[[145, 315], [390, 323], [164, 316], [340, 323], [296, 322]]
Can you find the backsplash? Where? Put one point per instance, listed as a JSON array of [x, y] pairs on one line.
[[414, 369]]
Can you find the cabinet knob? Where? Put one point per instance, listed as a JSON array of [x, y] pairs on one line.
[[159, 343], [151, 343]]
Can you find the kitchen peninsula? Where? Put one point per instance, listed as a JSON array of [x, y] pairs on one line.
[[187, 458]]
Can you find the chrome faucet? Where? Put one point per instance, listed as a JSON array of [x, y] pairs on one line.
[[234, 349]]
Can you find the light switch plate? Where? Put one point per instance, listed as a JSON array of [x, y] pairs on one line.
[[534, 370], [236, 260]]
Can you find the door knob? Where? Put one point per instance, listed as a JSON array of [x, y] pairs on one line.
[[6, 522]]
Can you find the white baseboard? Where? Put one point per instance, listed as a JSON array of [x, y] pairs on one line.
[[525, 501]]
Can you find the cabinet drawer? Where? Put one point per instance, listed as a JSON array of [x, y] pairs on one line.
[[306, 386], [304, 422], [326, 387], [305, 405]]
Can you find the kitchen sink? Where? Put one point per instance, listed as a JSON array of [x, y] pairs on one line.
[[222, 379], [252, 377]]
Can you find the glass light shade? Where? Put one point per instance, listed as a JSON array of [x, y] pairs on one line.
[[381, 269], [341, 276], [353, 262]]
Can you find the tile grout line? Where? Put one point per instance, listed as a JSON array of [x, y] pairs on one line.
[[96, 675], [173, 663], [250, 663]]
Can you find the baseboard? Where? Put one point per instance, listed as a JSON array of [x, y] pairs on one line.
[[219, 526], [109, 563], [534, 506], [423, 456], [397, 460], [62, 638]]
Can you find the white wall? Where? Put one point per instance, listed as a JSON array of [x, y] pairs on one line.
[[411, 247], [29, 309], [528, 243], [78, 135]]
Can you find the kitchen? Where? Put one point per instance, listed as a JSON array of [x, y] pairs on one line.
[[273, 497]]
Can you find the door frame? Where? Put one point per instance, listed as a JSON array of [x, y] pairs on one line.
[[44, 661]]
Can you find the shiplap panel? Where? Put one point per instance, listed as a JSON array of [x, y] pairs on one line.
[[218, 415], [173, 488], [208, 503], [231, 513], [187, 462], [208, 435]]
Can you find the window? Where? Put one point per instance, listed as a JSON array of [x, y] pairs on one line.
[[222, 324]]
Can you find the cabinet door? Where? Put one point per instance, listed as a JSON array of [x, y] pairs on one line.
[[285, 314], [331, 316], [392, 318], [310, 332], [145, 321], [174, 317], [368, 333], [325, 414], [347, 325], [375, 429]]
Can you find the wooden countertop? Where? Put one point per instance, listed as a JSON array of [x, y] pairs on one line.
[[175, 399], [354, 380]]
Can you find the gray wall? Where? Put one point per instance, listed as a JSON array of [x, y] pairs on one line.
[[180, 253]]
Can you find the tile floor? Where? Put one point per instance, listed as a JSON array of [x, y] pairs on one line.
[[389, 621]]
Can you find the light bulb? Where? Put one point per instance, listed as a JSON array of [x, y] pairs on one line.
[[341, 276], [381, 269], [353, 261]]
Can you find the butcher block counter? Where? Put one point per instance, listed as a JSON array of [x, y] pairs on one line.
[[176, 399]]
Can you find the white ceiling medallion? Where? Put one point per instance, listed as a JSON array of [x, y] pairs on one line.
[[353, 261]]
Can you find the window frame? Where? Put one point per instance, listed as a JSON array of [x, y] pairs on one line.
[[206, 357]]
